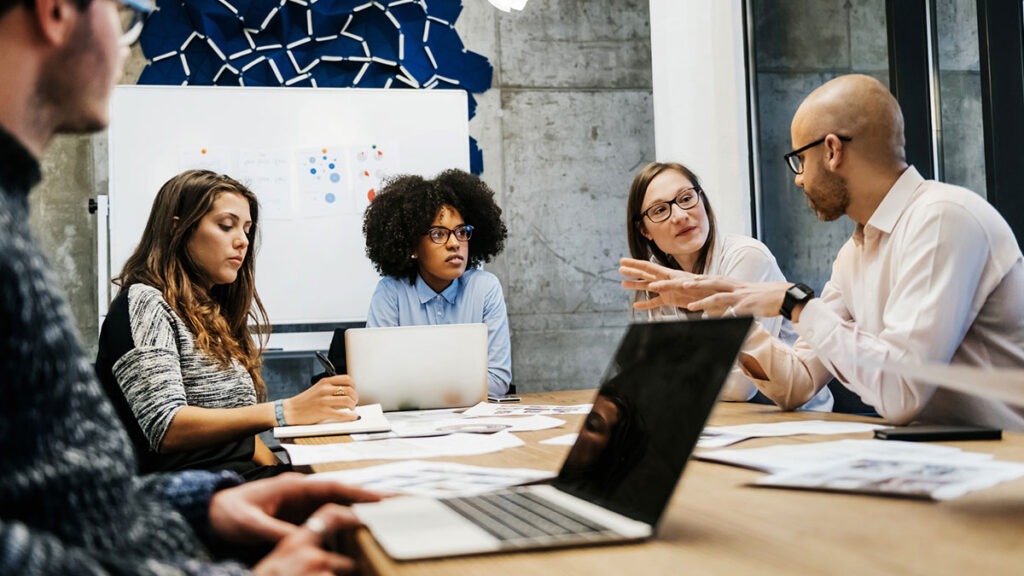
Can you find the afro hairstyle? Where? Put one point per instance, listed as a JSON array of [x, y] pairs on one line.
[[406, 207]]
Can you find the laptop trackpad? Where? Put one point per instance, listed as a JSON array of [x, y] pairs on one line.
[[409, 527]]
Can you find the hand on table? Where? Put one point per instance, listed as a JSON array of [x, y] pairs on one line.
[[270, 509], [331, 399]]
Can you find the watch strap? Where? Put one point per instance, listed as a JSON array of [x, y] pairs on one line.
[[279, 412], [798, 293]]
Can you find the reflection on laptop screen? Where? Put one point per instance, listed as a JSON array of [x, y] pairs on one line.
[[649, 412]]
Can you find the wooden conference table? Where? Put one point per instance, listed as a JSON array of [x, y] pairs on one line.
[[717, 524]]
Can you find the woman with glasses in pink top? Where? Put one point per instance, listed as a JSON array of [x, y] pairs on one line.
[[669, 221]]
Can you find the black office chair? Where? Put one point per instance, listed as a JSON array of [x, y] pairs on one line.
[[847, 402], [336, 353]]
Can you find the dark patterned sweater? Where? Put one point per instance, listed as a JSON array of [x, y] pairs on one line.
[[71, 501]]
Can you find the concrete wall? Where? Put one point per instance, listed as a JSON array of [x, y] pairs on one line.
[[568, 120], [572, 120]]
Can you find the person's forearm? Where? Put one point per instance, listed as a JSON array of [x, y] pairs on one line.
[[42, 553], [194, 427], [789, 377], [855, 357]]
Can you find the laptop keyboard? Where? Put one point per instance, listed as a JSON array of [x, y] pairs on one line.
[[516, 515]]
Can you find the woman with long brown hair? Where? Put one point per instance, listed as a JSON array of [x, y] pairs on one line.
[[669, 221], [177, 353]]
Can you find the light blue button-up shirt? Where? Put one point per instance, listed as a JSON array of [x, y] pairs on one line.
[[474, 297]]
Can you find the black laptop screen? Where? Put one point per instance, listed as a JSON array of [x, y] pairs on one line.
[[648, 415]]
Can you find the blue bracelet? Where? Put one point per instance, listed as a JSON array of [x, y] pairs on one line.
[[279, 412]]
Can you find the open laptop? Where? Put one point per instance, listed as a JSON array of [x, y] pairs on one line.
[[619, 475], [419, 367]]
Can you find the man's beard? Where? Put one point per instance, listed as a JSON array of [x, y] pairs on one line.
[[831, 197]]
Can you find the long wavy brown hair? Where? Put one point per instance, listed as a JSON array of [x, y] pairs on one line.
[[643, 248], [220, 317]]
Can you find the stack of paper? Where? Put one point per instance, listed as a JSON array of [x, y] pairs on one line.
[[422, 428], [434, 479], [718, 436], [881, 467], [424, 433], [795, 457], [402, 448], [486, 409]]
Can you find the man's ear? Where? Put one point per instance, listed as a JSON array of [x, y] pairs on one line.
[[56, 19], [835, 153]]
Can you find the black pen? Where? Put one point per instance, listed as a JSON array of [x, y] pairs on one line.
[[326, 362]]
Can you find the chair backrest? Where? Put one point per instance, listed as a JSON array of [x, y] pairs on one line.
[[336, 354]]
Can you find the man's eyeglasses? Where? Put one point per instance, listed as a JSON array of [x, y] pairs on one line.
[[133, 14], [661, 211], [796, 161], [440, 234]]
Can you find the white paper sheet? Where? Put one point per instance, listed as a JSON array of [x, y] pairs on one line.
[[401, 448], [720, 436], [936, 479], [421, 428], [792, 457], [563, 440], [434, 479], [487, 409], [794, 428], [371, 419], [716, 439]]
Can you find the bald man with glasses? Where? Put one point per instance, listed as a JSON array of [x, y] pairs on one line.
[[71, 500], [931, 274]]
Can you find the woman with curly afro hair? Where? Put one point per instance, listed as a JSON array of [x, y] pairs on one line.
[[428, 239]]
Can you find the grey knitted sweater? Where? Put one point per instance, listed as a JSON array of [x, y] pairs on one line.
[[150, 367], [71, 501]]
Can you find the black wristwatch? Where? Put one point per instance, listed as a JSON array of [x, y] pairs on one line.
[[796, 294]]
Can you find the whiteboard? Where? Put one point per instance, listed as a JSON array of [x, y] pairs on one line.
[[311, 155]]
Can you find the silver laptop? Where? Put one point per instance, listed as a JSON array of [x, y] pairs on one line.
[[618, 477], [418, 367]]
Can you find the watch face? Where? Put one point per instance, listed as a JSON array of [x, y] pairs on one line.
[[795, 294], [800, 292]]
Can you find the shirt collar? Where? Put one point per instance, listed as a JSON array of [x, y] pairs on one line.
[[19, 169], [896, 200], [426, 293], [892, 206]]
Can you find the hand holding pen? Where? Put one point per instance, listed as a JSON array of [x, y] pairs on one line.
[[331, 399]]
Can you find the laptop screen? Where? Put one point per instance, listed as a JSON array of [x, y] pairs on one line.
[[657, 394]]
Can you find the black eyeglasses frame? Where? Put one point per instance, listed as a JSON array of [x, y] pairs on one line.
[[672, 202], [448, 233], [796, 153]]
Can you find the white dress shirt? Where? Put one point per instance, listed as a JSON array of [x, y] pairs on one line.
[[934, 276]]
